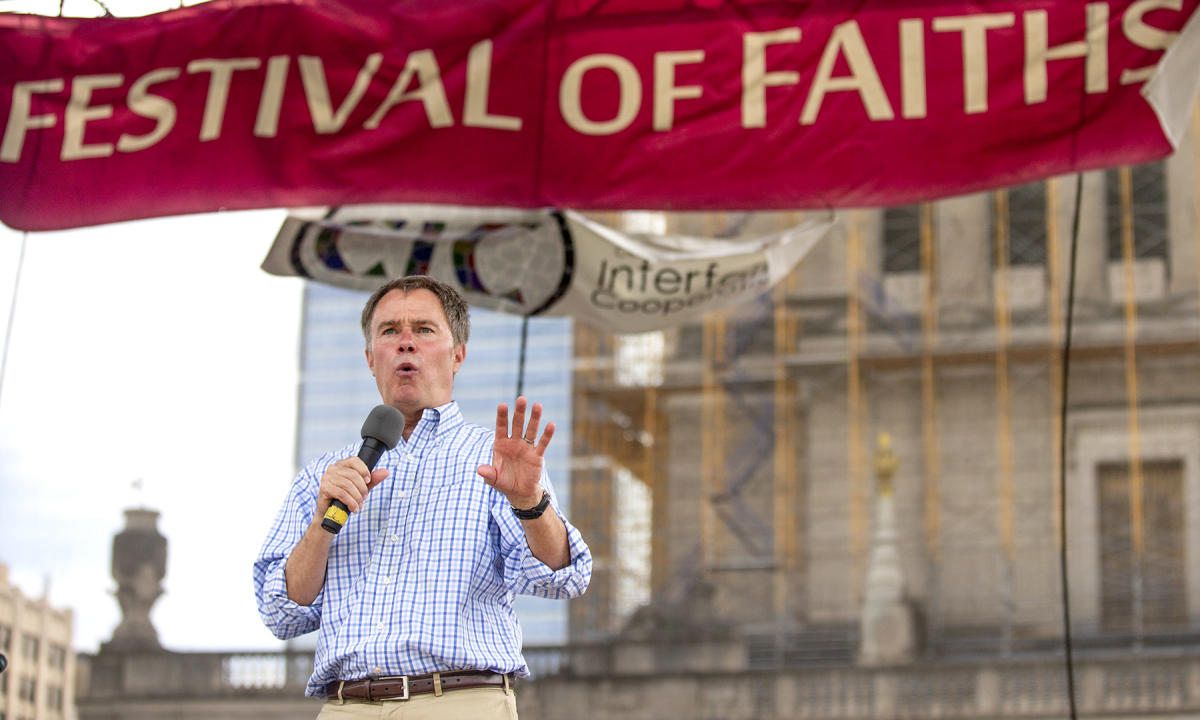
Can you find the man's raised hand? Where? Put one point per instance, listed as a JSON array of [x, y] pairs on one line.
[[516, 469]]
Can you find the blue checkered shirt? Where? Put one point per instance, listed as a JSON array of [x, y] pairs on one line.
[[422, 578]]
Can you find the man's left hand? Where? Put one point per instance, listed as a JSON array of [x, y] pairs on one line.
[[516, 469]]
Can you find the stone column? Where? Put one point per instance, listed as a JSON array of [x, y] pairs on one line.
[[963, 227]]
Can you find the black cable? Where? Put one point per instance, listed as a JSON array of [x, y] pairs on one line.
[[1062, 451], [521, 361]]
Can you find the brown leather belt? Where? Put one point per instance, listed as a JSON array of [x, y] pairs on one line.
[[402, 687]]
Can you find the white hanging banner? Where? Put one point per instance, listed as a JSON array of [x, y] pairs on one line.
[[541, 262], [1175, 83]]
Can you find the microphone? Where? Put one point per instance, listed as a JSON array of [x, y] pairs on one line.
[[3, 662], [380, 432]]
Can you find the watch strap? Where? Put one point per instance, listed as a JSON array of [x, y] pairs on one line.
[[536, 511]]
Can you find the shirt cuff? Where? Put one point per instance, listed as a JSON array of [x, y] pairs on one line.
[[287, 618], [567, 582]]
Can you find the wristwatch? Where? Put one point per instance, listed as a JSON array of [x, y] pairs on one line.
[[536, 511]]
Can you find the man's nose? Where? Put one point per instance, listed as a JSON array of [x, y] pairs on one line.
[[407, 340]]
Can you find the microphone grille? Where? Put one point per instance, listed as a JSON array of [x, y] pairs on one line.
[[385, 424]]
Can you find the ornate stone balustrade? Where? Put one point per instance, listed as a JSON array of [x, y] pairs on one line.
[[611, 682], [1127, 684]]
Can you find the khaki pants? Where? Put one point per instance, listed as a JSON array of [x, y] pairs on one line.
[[472, 704]]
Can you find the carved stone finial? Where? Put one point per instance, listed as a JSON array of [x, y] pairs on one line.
[[139, 563], [888, 622], [886, 463]]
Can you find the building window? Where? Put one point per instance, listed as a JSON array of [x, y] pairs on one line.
[[1142, 590], [54, 698], [639, 359], [29, 646], [644, 222], [56, 655], [1142, 201], [902, 239], [1027, 224], [632, 541], [27, 690]]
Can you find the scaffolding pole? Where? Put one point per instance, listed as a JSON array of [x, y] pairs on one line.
[[1054, 273], [1004, 444], [1136, 512], [929, 410], [784, 461], [855, 402], [712, 427], [1196, 175]]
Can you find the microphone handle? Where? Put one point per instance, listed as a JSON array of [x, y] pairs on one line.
[[337, 514]]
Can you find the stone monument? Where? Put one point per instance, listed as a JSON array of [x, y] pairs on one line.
[[139, 563], [888, 623]]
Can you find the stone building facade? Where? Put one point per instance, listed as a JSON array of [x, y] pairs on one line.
[[39, 683], [750, 526], [751, 440]]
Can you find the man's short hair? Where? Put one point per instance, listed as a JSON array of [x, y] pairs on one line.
[[453, 304]]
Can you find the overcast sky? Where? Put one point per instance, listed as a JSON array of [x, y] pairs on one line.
[[153, 350]]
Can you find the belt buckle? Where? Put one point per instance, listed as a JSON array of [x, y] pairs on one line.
[[403, 680]]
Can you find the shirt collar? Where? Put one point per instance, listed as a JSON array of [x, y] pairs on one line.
[[443, 418]]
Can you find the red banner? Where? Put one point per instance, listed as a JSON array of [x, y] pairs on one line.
[[665, 104]]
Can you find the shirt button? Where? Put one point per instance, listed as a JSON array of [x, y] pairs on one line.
[[379, 626], [386, 580], [394, 537], [376, 670]]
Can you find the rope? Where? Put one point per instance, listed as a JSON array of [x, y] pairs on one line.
[[12, 311]]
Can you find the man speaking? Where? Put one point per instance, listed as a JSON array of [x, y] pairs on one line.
[[412, 597]]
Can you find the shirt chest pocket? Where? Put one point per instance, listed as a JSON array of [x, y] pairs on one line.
[[450, 523]]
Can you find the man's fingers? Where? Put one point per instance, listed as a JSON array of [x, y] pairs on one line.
[[535, 419], [352, 492], [501, 421], [351, 481], [377, 476], [545, 441], [359, 467], [519, 429], [518, 423], [345, 497], [348, 481]]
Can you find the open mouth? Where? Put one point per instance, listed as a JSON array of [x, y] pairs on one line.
[[406, 368]]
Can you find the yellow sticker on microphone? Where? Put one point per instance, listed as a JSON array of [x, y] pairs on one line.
[[336, 514]]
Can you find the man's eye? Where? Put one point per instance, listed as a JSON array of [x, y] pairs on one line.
[[425, 330], [388, 331]]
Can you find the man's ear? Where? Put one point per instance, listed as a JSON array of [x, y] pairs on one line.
[[370, 361], [460, 354]]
